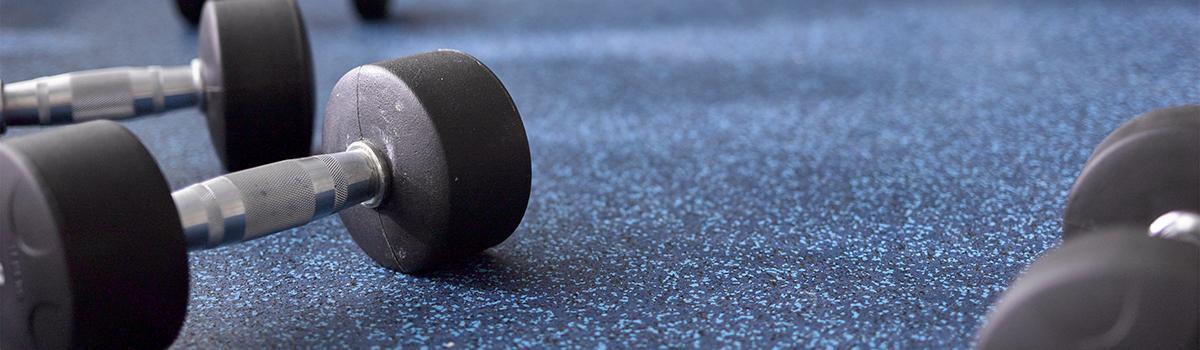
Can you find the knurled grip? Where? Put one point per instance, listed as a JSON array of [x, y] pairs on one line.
[[110, 93], [259, 201]]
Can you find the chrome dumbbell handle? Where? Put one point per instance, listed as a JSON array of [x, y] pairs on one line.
[[110, 93], [256, 202]]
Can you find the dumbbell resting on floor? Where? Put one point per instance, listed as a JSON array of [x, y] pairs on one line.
[[367, 9], [1113, 288], [1128, 272], [253, 79], [431, 145]]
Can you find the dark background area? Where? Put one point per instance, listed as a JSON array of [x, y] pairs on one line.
[[791, 173]]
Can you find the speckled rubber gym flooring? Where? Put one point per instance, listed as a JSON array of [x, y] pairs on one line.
[[705, 173]]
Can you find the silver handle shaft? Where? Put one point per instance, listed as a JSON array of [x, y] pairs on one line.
[[110, 93], [256, 202]]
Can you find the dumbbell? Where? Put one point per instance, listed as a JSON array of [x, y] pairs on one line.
[[1128, 272], [427, 162], [253, 80], [367, 9], [1142, 170]]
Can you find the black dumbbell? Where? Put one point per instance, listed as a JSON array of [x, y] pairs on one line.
[[431, 145], [367, 9], [1144, 169], [1110, 289], [1128, 273], [253, 80]]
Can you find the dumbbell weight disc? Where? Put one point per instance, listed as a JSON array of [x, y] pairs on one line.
[[190, 10], [1114, 289], [93, 256], [456, 148], [258, 81], [367, 9], [371, 9], [1145, 168]]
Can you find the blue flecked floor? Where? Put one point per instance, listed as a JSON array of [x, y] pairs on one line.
[[706, 173]]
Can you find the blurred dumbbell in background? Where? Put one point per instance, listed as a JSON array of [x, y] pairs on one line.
[[253, 79], [1128, 272], [367, 9]]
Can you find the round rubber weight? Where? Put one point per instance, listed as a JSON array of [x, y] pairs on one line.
[[1115, 289], [258, 81], [190, 10], [93, 256], [459, 157], [1145, 168], [371, 9]]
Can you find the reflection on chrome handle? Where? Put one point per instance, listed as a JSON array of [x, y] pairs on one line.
[[259, 201]]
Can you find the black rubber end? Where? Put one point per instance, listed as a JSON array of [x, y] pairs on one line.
[[190, 10], [1115, 289], [459, 157], [93, 255], [371, 9], [260, 109], [1144, 169]]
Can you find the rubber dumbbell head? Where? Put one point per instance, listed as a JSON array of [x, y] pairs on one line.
[[367, 9], [1146, 168], [92, 256], [371, 9], [190, 10], [253, 80], [257, 72], [457, 152], [1116, 288]]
